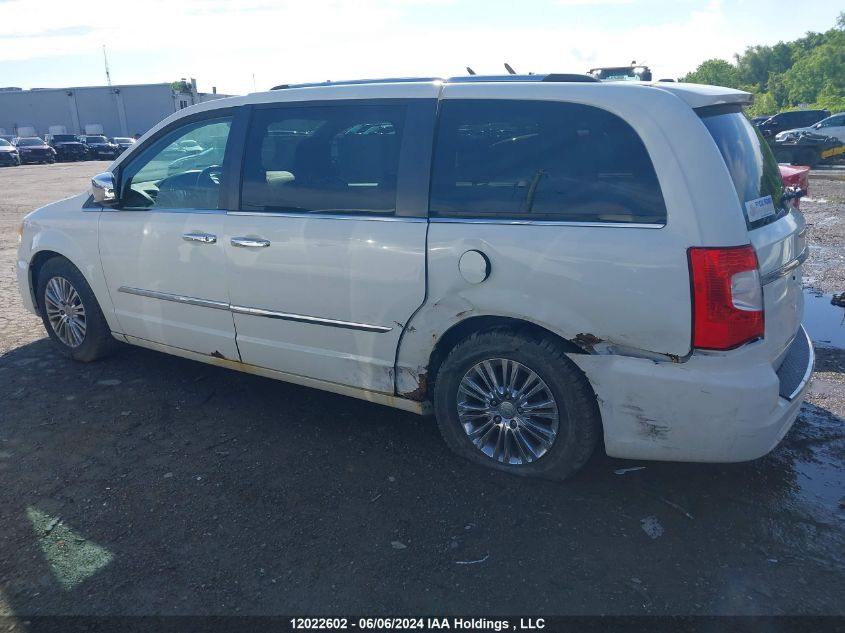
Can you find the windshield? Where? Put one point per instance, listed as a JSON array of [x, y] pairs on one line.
[[4, 142], [24, 142], [64, 138], [96, 139], [123, 140], [752, 166]]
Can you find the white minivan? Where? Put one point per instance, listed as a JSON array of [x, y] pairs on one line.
[[543, 261]]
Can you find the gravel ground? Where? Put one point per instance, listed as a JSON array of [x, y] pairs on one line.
[[147, 484]]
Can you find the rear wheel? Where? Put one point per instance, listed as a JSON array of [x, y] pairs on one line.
[[516, 403], [70, 312]]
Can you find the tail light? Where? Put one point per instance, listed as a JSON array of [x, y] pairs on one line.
[[727, 297]]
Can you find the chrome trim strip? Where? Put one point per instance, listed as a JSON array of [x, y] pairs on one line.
[[301, 318], [328, 216], [505, 221], [167, 296], [784, 270], [810, 366]]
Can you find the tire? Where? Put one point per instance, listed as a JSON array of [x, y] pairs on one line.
[[96, 341], [578, 418]]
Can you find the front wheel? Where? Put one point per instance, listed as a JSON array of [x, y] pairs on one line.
[[515, 402], [70, 312]]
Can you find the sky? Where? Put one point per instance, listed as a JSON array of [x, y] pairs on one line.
[[227, 43]]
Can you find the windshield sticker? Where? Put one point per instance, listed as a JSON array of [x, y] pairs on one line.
[[759, 208]]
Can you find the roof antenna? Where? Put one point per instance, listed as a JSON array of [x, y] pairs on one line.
[[470, 70], [510, 70], [106, 60]]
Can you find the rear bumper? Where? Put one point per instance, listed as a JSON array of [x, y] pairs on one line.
[[727, 407]]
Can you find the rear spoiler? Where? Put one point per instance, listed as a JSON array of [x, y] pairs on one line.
[[702, 96]]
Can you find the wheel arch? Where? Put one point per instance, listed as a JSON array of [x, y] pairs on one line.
[[422, 380]]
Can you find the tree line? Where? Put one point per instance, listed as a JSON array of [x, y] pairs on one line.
[[806, 73]]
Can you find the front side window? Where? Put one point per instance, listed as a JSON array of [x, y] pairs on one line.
[[180, 170], [541, 160], [323, 159]]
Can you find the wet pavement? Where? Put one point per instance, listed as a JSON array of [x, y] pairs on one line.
[[148, 484]]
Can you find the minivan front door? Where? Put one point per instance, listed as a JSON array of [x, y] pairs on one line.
[[161, 249], [326, 250]]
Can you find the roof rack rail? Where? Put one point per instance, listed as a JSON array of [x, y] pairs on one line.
[[552, 77], [355, 82]]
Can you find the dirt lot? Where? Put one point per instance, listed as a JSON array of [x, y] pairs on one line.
[[146, 484]]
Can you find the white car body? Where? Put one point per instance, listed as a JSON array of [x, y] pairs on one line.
[[357, 305], [833, 125]]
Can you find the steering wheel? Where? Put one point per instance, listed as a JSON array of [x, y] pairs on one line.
[[210, 176]]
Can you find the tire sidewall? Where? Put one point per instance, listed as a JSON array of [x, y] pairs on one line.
[[563, 381], [59, 267]]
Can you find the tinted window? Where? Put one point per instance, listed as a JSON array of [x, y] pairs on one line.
[[334, 159], [27, 142], [541, 160], [752, 165], [167, 175]]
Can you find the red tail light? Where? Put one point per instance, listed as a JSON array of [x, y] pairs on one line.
[[727, 297]]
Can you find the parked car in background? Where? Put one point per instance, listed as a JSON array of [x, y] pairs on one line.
[[8, 137], [806, 148], [34, 150], [9, 153], [123, 142], [100, 148], [790, 120], [796, 177], [833, 125], [67, 147], [540, 261], [757, 120]]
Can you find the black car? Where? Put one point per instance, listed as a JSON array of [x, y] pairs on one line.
[[791, 120], [34, 150], [9, 153], [67, 147], [99, 147]]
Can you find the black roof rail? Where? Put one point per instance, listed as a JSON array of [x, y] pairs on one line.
[[356, 82], [553, 77], [570, 77]]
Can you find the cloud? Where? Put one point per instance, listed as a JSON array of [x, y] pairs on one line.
[[289, 41]]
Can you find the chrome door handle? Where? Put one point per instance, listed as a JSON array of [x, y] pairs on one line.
[[205, 238], [250, 242]]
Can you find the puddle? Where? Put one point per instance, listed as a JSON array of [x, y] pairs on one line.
[[825, 322]]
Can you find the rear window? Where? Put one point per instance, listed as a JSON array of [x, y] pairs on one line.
[[752, 166], [541, 160]]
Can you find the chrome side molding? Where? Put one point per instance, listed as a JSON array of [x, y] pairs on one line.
[[270, 314], [167, 296]]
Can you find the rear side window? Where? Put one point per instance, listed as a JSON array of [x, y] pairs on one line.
[[752, 166], [541, 160], [327, 158]]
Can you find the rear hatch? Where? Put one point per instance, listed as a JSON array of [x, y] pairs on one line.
[[776, 229]]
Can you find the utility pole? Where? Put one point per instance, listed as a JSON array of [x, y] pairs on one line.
[[106, 60]]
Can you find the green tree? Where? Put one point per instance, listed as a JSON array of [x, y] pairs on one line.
[[764, 103], [716, 72], [823, 67], [758, 62]]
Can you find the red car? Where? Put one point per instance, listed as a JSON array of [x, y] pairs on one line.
[[796, 176]]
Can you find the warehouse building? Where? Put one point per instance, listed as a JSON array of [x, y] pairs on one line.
[[123, 110]]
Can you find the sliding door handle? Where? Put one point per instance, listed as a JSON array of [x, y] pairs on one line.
[[250, 242], [205, 238]]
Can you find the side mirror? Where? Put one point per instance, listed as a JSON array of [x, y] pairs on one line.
[[102, 188]]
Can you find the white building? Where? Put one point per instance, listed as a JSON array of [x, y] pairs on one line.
[[123, 110]]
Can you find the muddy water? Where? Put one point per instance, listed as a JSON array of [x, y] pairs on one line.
[[825, 322]]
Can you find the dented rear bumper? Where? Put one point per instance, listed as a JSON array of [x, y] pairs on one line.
[[715, 407]]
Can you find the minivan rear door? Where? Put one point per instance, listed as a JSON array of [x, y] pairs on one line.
[[776, 229]]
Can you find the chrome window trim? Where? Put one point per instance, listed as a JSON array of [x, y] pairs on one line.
[[271, 314], [301, 318], [176, 298], [787, 268], [328, 216], [513, 221], [157, 210]]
